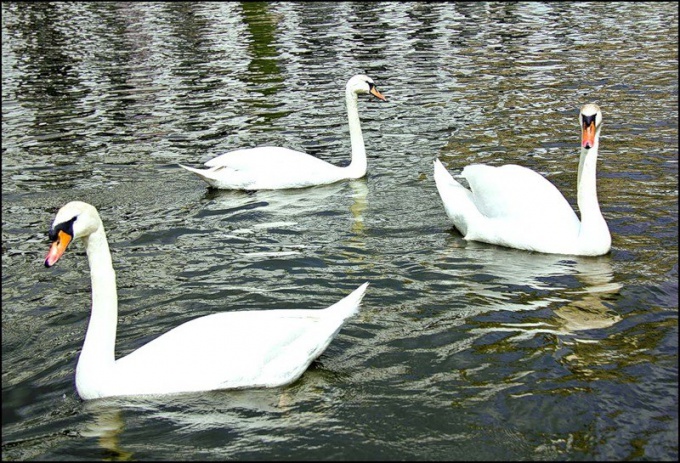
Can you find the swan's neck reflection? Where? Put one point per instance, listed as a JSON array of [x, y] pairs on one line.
[[106, 425], [359, 204], [585, 307], [590, 312]]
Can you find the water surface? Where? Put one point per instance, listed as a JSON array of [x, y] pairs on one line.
[[461, 350]]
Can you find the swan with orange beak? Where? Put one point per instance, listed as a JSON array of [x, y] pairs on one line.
[[515, 207]]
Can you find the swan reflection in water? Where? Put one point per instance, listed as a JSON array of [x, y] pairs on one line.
[[578, 287], [359, 204], [242, 412], [289, 211], [297, 202], [475, 289], [106, 425]]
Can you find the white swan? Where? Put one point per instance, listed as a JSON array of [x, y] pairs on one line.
[[516, 207], [274, 168], [260, 348]]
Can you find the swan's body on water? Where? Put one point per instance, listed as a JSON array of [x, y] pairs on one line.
[[273, 168], [516, 207], [237, 349]]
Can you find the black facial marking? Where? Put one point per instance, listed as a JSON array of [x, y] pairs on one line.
[[587, 120], [66, 227]]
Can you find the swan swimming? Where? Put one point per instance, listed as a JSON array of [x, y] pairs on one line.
[[238, 349], [274, 168], [516, 207]]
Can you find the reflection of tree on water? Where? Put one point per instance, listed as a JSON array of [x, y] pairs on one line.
[[263, 67]]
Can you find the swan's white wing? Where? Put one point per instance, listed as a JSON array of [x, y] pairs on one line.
[[232, 350], [457, 199], [268, 167], [509, 206], [520, 209], [250, 158], [223, 350], [515, 192]]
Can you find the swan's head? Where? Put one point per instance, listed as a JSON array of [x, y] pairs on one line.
[[364, 84], [590, 119], [75, 220]]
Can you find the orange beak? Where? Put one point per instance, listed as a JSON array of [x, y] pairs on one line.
[[588, 136], [377, 94], [57, 249]]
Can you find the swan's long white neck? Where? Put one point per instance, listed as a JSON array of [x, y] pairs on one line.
[[592, 222], [98, 354], [356, 168]]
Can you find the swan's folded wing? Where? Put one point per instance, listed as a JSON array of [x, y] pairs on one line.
[[228, 350], [262, 157], [515, 192]]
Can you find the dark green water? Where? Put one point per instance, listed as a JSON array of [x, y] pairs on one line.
[[461, 350]]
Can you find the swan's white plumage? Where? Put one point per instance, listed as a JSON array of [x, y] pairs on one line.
[[516, 207], [240, 349], [272, 167]]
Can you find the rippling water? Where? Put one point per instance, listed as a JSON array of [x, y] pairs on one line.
[[461, 350]]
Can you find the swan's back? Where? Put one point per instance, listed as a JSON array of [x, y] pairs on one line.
[[263, 348], [268, 167], [261, 157], [509, 206], [520, 208], [514, 192]]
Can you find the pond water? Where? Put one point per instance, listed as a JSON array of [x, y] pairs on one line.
[[461, 350]]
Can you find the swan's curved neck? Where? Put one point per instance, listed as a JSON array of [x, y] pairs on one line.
[[98, 352], [357, 167], [592, 221]]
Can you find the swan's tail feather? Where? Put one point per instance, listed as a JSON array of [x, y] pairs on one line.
[[198, 172], [349, 305], [207, 175], [442, 177], [456, 198]]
